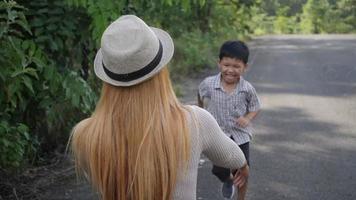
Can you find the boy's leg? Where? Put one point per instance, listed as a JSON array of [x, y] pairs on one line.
[[246, 150], [223, 174]]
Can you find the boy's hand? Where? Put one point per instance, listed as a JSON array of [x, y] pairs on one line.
[[241, 176], [243, 121]]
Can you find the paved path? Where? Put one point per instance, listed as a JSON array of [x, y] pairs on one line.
[[304, 147]]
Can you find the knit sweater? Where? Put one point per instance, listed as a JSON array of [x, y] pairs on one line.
[[206, 138]]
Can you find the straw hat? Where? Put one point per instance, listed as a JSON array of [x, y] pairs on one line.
[[132, 52]]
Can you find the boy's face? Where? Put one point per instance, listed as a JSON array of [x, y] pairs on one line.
[[231, 69]]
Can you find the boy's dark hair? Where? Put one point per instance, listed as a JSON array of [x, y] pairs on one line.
[[234, 49]]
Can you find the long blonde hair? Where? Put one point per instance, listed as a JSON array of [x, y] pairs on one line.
[[135, 143]]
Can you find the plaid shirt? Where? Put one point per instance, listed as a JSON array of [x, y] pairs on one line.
[[226, 108]]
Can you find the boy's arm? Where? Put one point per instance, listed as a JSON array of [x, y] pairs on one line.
[[246, 120], [203, 94], [200, 101], [252, 115], [254, 104]]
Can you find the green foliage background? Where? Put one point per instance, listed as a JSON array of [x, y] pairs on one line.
[[47, 49]]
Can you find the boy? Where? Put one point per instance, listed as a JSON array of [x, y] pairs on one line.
[[234, 103]]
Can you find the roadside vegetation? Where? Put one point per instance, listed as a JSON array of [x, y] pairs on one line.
[[47, 49]]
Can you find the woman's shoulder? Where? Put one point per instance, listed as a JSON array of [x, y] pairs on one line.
[[197, 110], [201, 115], [80, 126]]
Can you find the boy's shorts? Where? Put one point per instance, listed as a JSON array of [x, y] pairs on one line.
[[222, 173]]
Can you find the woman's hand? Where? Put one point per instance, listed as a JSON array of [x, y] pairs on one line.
[[241, 176]]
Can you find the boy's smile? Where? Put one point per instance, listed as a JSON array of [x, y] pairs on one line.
[[231, 69]]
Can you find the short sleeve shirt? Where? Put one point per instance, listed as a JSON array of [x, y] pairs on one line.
[[226, 108]]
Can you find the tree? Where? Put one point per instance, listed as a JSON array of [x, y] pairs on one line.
[[314, 16]]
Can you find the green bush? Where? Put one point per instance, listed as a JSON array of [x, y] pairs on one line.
[[38, 103], [193, 52], [15, 144]]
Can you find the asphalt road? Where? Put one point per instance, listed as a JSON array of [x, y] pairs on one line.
[[304, 145]]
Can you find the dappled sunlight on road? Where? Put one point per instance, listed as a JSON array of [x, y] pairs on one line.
[[304, 146], [326, 109]]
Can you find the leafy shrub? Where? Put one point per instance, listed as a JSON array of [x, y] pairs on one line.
[[15, 84], [38, 103], [193, 52], [15, 144]]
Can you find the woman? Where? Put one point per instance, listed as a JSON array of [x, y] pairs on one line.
[[140, 142]]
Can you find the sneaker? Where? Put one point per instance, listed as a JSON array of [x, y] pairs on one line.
[[228, 189]]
